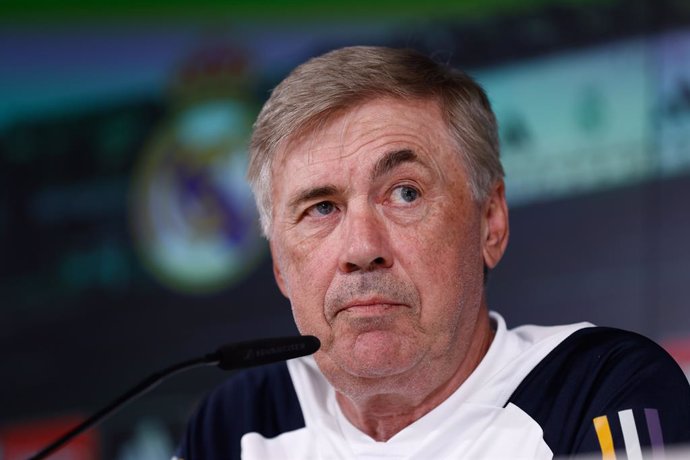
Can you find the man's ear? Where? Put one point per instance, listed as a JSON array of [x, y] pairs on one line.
[[280, 281], [495, 226]]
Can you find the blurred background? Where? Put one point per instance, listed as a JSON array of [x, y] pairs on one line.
[[128, 237]]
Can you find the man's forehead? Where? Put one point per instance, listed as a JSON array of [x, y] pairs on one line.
[[338, 133]]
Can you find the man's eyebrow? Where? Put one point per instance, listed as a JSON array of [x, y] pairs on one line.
[[311, 194], [393, 159]]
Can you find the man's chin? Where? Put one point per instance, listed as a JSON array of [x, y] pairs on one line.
[[375, 354]]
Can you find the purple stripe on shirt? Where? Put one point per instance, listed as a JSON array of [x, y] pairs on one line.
[[656, 437]]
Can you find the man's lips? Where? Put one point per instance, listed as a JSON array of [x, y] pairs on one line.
[[369, 307]]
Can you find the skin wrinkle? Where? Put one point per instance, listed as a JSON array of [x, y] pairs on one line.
[[425, 327]]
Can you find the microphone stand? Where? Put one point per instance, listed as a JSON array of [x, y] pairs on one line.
[[228, 357], [146, 385]]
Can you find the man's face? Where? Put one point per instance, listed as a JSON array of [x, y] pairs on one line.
[[378, 243]]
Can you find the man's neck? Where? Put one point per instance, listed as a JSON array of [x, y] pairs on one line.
[[384, 414]]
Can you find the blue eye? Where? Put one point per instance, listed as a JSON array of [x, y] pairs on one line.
[[405, 193], [324, 208]]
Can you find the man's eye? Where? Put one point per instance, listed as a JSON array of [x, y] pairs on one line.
[[405, 193], [323, 208]]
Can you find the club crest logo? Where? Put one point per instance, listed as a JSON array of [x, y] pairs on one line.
[[193, 215]]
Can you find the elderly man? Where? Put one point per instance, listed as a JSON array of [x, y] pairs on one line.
[[380, 189]]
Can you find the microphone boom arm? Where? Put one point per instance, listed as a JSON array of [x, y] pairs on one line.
[[145, 386], [227, 357]]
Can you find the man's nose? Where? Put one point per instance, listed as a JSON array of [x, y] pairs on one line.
[[366, 243]]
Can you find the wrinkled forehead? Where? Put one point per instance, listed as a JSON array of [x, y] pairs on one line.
[[308, 132], [421, 116], [360, 143]]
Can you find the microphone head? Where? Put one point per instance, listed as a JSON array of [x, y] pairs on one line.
[[264, 351]]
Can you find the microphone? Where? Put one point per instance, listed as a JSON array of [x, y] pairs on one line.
[[258, 352], [228, 357]]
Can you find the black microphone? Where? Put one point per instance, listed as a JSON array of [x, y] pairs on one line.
[[228, 357], [258, 352]]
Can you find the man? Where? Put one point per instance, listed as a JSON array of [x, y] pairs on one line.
[[379, 186]]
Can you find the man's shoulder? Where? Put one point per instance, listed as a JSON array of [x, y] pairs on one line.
[[604, 372], [601, 360], [258, 400], [607, 353]]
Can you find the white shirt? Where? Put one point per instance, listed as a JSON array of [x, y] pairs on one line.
[[471, 424]]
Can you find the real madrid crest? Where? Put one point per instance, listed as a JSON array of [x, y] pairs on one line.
[[193, 215]]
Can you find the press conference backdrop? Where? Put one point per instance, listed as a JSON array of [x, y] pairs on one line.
[[128, 236]]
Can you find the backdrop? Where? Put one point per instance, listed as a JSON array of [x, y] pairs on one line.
[[128, 236]]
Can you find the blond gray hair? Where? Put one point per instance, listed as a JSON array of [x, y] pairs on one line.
[[342, 79]]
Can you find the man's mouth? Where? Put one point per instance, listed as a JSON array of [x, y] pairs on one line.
[[370, 307]]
